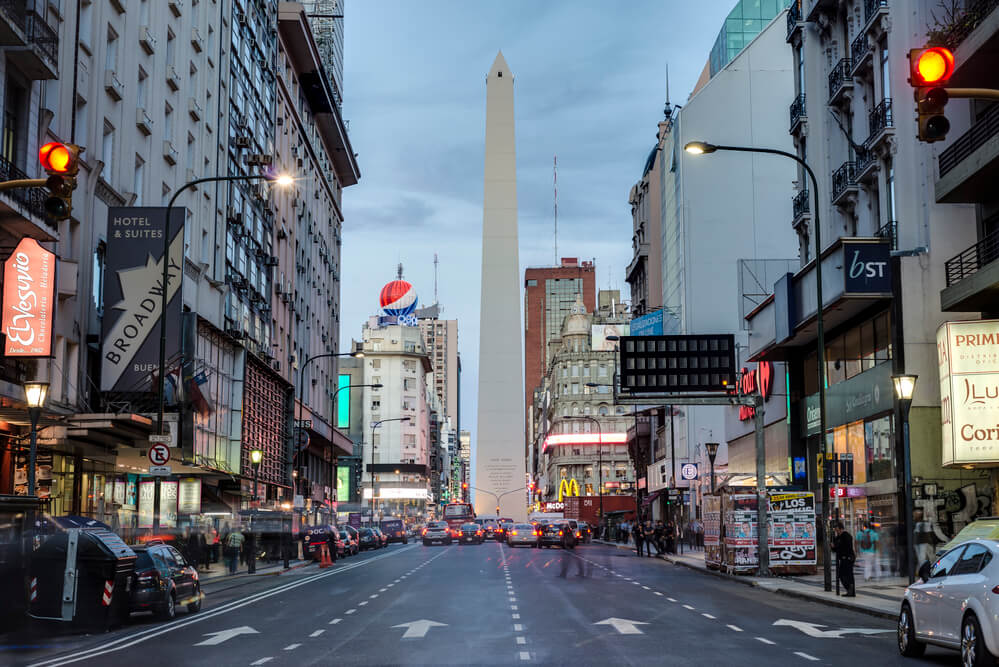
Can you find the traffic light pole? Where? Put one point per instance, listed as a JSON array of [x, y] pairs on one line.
[[973, 93], [23, 183]]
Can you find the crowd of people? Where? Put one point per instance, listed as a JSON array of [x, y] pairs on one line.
[[664, 536]]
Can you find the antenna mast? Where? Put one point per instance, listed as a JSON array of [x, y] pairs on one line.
[[555, 189], [668, 109], [436, 263]]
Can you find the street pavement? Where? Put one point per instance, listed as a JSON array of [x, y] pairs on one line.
[[489, 604]]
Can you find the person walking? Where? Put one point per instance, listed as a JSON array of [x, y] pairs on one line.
[[233, 549], [842, 546], [194, 543], [638, 534], [670, 537], [868, 544], [650, 537], [660, 536]]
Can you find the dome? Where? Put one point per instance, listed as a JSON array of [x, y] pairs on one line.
[[578, 322]]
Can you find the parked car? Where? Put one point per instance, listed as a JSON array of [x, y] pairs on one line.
[[470, 533], [395, 530], [350, 543], [382, 537], [522, 534], [339, 545], [369, 539], [162, 580], [436, 532], [955, 604]]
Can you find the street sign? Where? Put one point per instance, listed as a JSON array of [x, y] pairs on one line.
[[159, 454], [303, 423], [160, 471], [688, 471], [162, 439]]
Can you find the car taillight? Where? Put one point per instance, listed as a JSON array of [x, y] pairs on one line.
[[995, 589], [536, 533], [560, 532]]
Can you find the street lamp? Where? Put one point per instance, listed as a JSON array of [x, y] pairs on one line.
[[255, 456], [333, 417], [705, 148], [375, 425], [282, 180], [35, 394], [904, 387], [600, 457], [712, 448]]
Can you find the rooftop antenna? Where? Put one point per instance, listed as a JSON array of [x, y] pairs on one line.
[[668, 109], [400, 271], [555, 189], [436, 263]]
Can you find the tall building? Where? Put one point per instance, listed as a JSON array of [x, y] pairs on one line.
[[499, 460], [549, 293], [441, 339], [746, 20], [642, 275], [465, 454]]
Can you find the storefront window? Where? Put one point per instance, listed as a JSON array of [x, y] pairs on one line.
[[880, 458], [852, 353]]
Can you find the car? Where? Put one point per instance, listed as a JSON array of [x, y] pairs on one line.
[[395, 530], [551, 534], [586, 532], [983, 527], [351, 546], [162, 580], [369, 539], [436, 532], [470, 533], [489, 530], [954, 604], [382, 538], [576, 527], [522, 534]]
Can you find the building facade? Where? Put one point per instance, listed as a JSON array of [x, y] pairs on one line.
[[441, 338], [645, 277]]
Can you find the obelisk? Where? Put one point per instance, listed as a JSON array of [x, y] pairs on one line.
[[499, 445]]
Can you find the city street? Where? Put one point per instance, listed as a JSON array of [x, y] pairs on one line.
[[489, 604]]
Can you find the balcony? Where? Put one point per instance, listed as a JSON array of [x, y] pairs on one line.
[[169, 152], [795, 21], [146, 40], [844, 185], [13, 20], [867, 164], [798, 114], [861, 54], [880, 123], [799, 207], [821, 8], [969, 166], [874, 9], [840, 82], [973, 278], [39, 59], [889, 232], [17, 205]]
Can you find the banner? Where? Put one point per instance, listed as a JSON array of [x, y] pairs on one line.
[[168, 504], [133, 294], [189, 496], [147, 498], [28, 294]]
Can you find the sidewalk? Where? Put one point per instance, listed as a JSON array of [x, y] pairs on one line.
[[880, 597], [218, 572]]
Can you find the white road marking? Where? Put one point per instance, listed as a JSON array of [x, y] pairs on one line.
[[707, 616], [806, 656], [515, 616], [658, 593], [373, 596], [646, 588], [524, 655], [671, 599], [765, 641], [687, 606], [261, 661], [390, 585], [361, 604], [734, 628], [317, 633], [291, 647], [382, 590], [335, 621], [636, 583], [521, 640], [517, 627], [513, 607], [350, 611]]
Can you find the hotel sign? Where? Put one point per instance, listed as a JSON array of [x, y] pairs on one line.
[[968, 365], [28, 295]]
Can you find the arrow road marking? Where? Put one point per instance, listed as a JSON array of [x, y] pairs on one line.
[[418, 629], [623, 625], [812, 629], [225, 635]]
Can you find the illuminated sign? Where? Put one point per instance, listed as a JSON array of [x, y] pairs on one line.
[[761, 380], [28, 292], [686, 363], [566, 488], [585, 439], [343, 483], [343, 401], [968, 364], [394, 493]]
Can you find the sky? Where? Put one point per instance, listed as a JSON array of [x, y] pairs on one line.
[[589, 87]]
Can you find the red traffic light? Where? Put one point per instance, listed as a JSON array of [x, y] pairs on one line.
[[57, 158], [931, 67]]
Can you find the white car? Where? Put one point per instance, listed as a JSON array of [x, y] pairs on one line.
[[955, 604]]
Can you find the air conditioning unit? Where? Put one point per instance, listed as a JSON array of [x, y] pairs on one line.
[[236, 333], [259, 159], [234, 217], [294, 151], [271, 261], [241, 142]]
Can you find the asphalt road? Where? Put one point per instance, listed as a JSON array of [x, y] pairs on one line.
[[489, 604]]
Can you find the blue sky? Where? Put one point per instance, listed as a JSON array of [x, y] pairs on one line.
[[589, 87]]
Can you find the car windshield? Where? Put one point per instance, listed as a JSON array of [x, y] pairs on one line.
[[523, 526]]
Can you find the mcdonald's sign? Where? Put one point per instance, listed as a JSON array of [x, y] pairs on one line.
[[567, 487]]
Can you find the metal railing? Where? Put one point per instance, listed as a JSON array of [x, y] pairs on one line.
[[799, 204], [880, 117], [839, 76], [889, 231], [859, 48], [15, 11], [32, 199], [871, 8], [44, 37], [864, 157], [971, 260], [966, 21], [843, 178], [983, 130], [793, 16], [798, 110]]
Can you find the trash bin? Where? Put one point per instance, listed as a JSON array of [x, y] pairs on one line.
[[82, 577]]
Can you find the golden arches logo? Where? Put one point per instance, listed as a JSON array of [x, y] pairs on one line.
[[567, 487]]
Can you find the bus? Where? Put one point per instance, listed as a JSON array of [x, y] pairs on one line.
[[458, 513]]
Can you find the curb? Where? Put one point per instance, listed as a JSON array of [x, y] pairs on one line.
[[245, 577]]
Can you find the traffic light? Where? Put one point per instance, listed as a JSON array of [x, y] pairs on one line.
[[929, 71], [61, 162]]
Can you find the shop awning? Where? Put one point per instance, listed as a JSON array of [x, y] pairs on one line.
[[648, 500]]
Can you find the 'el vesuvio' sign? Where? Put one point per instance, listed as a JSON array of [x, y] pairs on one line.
[[133, 293], [28, 294]]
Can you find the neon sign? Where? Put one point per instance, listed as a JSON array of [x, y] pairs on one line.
[[761, 380], [585, 439], [567, 487]]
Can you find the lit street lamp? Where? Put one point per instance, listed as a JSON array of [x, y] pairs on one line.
[[35, 394], [712, 448], [904, 387], [255, 456], [705, 148]]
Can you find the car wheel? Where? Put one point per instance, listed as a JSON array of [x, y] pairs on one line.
[[195, 606], [907, 643], [169, 609], [973, 650]]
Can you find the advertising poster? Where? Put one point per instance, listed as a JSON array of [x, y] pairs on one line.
[[43, 474], [147, 496], [168, 504], [131, 495], [599, 333], [28, 300], [712, 531], [792, 529], [343, 483], [119, 492], [968, 364], [133, 295], [741, 532], [189, 496]]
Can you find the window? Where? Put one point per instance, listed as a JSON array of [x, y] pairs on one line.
[[945, 565], [408, 384], [376, 363], [409, 439], [602, 411], [532, 283], [111, 55], [86, 19], [167, 122], [107, 151], [975, 558], [799, 61], [137, 179], [97, 279], [885, 70]]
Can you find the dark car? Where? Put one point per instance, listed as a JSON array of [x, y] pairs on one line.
[[314, 537], [349, 542], [490, 529], [369, 539], [470, 533], [395, 530], [552, 534], [162, 580], [382, 536]]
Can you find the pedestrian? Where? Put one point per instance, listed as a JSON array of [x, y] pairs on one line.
[[233, 549], [670, 537], [923, 539], [868, 545], [194, 540], [650, 537], [842, 546], [660, 536], [638, 535]]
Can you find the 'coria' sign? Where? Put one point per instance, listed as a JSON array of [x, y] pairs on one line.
[[28, 293]]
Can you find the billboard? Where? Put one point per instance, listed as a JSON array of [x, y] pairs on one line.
[[968, 364], [343, 484], [343, 402], [599, 333], [132, 295], [650, 324], [28, 295], [688, 363]]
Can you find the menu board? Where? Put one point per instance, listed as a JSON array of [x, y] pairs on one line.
[[189, 497], [792, 529], [147, 498], [43, 473], [168, 504]]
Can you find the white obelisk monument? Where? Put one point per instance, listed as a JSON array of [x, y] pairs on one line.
[[499, 446]]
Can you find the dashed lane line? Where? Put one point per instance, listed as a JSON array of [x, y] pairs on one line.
[[515, 616], [521, 640], [350, 611], [671, 599], [291, 647], [658, 593], [806, 656], [361, 604], [317, 633], [765, 640], [373, 596], [707, 616], [687, 606], [517, 627], [734, 628], [525, 655], [335, 621], [261, 661]]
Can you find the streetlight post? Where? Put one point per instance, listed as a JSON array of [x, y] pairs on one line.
[[712, 448], [255, 456], [904, 387], [282, 180], [35, 394], [375, 425], [600, 457], [703, 148], [333, 423]]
